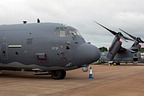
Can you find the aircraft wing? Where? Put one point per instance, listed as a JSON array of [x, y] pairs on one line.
[[122, 50]]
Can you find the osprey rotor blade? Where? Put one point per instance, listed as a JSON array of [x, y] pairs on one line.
[[138, 39], [113, 32], [119, 34], [126, 38], [128, 34]]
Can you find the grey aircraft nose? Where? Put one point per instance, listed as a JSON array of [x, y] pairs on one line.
[[86, 54]]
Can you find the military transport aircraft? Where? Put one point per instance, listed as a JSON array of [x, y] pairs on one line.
[[44, 47], [117, 53]]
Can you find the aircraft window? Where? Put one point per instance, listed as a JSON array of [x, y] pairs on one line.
[[74, 33], [61, 28], [65, 32], [77, 33], [57, 28], [57, 34], [62, 33]]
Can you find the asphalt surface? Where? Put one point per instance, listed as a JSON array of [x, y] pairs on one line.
[[106, 81]]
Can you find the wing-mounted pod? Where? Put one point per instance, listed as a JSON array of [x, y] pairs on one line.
[[116, 44], [136, 46]]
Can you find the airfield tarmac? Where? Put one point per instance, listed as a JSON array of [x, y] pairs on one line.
[[107, 81]]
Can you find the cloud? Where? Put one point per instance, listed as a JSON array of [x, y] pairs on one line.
[[125, 14]]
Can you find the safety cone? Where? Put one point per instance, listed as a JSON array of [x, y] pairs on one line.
[[90, 75]]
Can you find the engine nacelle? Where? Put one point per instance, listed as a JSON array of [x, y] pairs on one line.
[[116, 47]]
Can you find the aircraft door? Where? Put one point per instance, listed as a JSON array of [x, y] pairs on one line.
[[4, 53]]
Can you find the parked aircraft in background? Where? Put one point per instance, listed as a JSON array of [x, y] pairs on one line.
[[117, 53], [44, 47]]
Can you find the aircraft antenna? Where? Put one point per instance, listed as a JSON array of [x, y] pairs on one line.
[[38, 20], [24, 22]]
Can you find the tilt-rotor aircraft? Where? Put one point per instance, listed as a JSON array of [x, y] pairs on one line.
[[135, 46], [50, 48], [117, 53]]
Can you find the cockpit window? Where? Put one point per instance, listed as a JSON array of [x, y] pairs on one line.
[[66, 32], [75, 32], [60, 31], [62, 34]]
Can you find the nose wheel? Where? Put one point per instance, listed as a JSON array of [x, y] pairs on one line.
[[58, 74]]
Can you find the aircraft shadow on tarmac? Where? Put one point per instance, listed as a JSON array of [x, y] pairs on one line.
[[24, 75], [31, 76]]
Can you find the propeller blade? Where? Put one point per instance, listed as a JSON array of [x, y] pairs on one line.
[[128, 34], [141, 41], [124, 38], [134, 38], [113, 32], [127, 38]]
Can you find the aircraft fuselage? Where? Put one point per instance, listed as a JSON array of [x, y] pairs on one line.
[[44, 47]]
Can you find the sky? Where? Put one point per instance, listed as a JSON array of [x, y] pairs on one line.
[[114, 14]]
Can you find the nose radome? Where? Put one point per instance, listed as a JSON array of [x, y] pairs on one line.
[[87, 53]]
